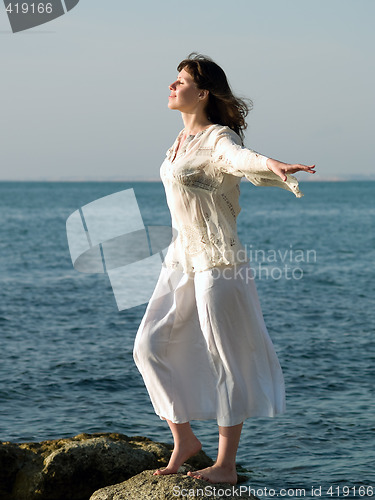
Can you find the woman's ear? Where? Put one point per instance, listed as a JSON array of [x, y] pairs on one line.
[[203, 94]]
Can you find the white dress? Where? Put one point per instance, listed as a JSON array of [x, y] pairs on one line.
[[202, 347]]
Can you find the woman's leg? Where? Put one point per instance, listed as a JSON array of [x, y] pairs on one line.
[[224, 469], [170, 352], [186, 444]]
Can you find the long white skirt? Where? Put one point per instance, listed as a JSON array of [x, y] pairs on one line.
[[204, 351]]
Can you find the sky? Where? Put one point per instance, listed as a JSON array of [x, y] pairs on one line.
[[84, 97]]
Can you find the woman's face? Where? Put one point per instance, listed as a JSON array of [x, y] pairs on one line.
[[185, 94]]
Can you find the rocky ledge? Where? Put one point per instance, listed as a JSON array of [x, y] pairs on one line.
[[101, 467]]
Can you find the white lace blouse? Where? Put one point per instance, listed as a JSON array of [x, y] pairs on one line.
[[202, 189]]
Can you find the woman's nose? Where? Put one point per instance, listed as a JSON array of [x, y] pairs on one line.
[[172, 86]]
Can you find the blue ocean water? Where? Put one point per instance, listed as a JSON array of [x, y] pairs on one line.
[[66, 351]]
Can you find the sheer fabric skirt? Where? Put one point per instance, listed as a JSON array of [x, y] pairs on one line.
[[204, 351]]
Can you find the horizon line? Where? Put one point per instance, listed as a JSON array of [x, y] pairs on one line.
[[135, 179]]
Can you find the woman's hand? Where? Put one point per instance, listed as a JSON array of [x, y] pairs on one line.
[[281, 169]]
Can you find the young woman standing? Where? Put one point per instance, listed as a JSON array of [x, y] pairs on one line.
[[202, 347]]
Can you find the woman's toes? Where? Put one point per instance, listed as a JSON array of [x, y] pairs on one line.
[[163, 472], [192, 473], [195, 474]]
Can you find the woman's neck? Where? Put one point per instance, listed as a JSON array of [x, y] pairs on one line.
[[195, 123]]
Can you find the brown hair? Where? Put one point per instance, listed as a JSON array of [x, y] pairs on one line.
[[223, 107]]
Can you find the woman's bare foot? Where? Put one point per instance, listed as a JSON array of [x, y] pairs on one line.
[[180, 454], [216, 474]]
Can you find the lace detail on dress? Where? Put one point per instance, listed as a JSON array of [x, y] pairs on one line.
[[191, 177], [193, 238], [229, 205]]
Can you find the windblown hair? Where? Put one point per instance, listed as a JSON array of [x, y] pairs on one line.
[[223, 107]]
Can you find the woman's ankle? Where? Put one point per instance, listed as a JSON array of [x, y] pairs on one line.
[[227, 466]]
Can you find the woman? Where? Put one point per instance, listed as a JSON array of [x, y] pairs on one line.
[[202, 347]]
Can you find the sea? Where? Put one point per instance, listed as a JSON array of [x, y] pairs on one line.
[[66, 349]]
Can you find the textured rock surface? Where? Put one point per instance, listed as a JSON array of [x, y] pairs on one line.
[[145, 486], [11, 459], [72, 469]]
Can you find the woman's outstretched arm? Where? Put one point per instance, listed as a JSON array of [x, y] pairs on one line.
[[232, 158]]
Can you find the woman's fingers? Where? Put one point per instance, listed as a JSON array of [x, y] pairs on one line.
[[310, 168], [306, 168], [291, 169]]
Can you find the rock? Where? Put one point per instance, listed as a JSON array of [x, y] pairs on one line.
[[11, 459], [146, 486], [72, 469]]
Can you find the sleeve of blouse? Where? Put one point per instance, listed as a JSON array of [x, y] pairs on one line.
[[232, 158], [235, 159]]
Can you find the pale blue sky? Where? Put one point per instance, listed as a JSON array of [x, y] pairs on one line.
[[85, 96]]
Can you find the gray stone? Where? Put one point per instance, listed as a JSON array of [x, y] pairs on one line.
[[74, 468], [146, 486]]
